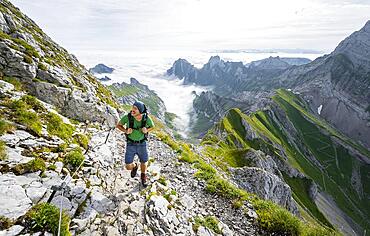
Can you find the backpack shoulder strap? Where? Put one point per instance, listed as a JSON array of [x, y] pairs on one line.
[[130, 121], [144, 119]]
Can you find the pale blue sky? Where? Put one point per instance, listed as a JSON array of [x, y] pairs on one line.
[[197, 24]]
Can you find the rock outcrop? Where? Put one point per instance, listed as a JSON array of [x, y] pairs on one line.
[[48, 71], [266, 185]]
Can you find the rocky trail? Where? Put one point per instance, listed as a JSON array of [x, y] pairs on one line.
[[102, 199]]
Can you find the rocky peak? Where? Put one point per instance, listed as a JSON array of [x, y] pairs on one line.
[[270, 63], [101, 68], [134, 81], [181, 68], [357, 47], [215, 61]]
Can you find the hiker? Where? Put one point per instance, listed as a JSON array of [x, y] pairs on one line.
[[138, 124]]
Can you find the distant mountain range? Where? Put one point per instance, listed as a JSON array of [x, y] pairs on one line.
[[312, 118], [338, 82]]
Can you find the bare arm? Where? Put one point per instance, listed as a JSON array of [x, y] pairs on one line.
[[146, 130], [120, 127], [150, 129]]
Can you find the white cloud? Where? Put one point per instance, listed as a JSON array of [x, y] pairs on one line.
[[184, 24]]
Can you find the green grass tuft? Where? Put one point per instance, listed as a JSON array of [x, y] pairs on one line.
[[5, 127], [5, 223], [74, 158], [45, 217], [17, 84], [209, 222], [30, 119], [56, 126], [42, 66], [162, 180], [82, 140], [166, 138], [277, 220], [34, 165], [3, 154], [27, 59]]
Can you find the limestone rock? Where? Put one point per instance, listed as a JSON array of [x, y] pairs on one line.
[[266, 185]]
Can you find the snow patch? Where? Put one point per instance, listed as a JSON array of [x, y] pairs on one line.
[[319, 109]]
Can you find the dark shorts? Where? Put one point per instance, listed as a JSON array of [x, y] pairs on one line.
[[138, 149]]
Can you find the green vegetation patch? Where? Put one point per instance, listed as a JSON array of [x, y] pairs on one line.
[[82, 140], [34, 165], [335, 177], [162, 180], [30, 119], [3, 154], [300, 188], [277, 220], [74, 158], [5, 127], [271, 217], [166, 138], [56, 126], [29, 50], [45, 217], [124, 91], [209, 222], [5, 223], [14, 81], [25, 111]]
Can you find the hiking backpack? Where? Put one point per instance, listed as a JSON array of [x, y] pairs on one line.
[[143, 122]]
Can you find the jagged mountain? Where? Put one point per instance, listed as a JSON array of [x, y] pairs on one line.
[[230, 77], [127, 94], [326, 171], [336, 86]]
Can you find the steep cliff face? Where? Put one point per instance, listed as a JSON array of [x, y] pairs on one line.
[[326, 171], [339, 83], [47, 70]]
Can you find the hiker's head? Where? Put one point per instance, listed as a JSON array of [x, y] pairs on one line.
[[137, 108]]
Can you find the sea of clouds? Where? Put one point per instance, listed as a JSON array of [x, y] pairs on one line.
[[149, 68]]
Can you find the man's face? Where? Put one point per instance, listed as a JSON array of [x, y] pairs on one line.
[[135, 111]]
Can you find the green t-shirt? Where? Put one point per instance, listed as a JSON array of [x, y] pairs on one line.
[[136, 134]]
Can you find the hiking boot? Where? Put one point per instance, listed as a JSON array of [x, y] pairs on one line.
[[134, 171], [144, 180]]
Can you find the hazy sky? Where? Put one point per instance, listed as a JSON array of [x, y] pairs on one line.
[[197, 24]]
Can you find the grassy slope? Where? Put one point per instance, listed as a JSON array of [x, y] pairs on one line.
[[334, 175]]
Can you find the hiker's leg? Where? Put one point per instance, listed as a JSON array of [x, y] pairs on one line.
[[143, 166], [143, 155], [129, 156]]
